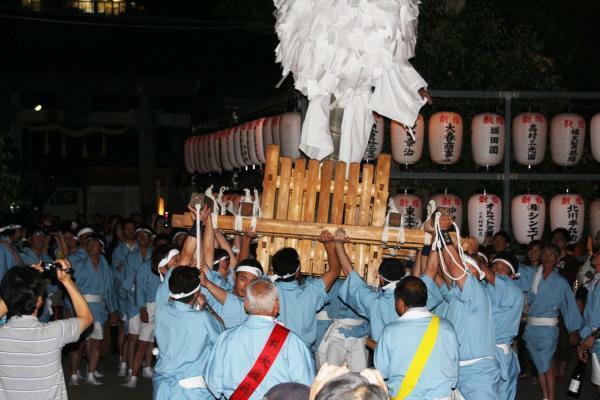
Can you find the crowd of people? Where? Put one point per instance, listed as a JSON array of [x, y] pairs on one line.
[[458, 320]]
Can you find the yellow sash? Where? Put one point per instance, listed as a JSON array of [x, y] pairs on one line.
[[420, 359]]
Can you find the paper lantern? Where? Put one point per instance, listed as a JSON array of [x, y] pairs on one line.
[[567, 211], [204, 154], [198, 156], [237, 146], [213, 152], [595, 217], [445, 137], [595, 137], [484, 215], [567, 136], [267, 134], [487, 139], [411, 208], [529, 132], [252, 144], [244, 146], [405, 150], [275, 130], [453, 203], [375, 143], [258, 139], [231, 151], [528, 215], [224, 150], [187, 157], [290, 129]]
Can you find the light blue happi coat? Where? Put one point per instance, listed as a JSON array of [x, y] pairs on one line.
[[96, 281], [591, 313], [507, 306], [119, 257], [30, 257], [133, 263], [298, 306], [185, 338], [232, 312], [378, 307], [237, 349], [224, 283], [146, 285], [398, 345], [76, 256], [470, 312], [554, 294]]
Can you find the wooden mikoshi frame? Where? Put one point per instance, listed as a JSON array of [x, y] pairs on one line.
[[302, 197]]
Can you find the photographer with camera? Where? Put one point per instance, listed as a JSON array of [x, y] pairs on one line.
[[31, 350]]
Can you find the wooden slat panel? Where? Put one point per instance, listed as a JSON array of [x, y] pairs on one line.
[[337, 205], [323, 213], [350, 204], [267, 202], [382, 178], [364, 217], [308, 212], [283, 197], [295, 206]]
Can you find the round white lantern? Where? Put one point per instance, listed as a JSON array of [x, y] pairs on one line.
[[187, 159], [252, 143], [215, 153], [595, 217], [528, 215], [199, 155], [244, 145], [267, 134], [411, 208], [445, 137], [237, 146], [484, 215], [595, 137], [258, 139], [567, 136], [405, 150], [568, 211], [231, 152], [453, 203], [290, 129], [529, 132], [205, 153], [487, 139], [224, 149], [375, 143], [275, 130]]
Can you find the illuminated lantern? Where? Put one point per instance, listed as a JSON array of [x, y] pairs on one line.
[[290, 129], [529, 132], [224, 149], [453, 203], [252, 144], [595, 137], [214, 153], [528, 215], [567, 135], [484, 215], [205, 153], [375, 143], [231, 148], [445, 137], [258, 139], [567, 211], [267, 134], [244, 146], [487, 139], [237, 146], [275, 130], [405, 150], [595, 217], [411, 208], [198, 157], [187, 158]]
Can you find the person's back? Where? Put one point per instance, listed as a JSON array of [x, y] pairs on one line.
[[30, 365]]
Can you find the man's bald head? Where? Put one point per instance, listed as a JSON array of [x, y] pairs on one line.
[[410, 292], [262, 298]]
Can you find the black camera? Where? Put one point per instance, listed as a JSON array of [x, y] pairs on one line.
[[49, 269]]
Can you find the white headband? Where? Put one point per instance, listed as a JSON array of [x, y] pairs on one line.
[[220, 259], [175, 236], [168, 258], [474, 264], [178, 296], [253, 270], [286, 276], [148, 231], [84, 231], [502, 260], [480, 254], [9, 227]]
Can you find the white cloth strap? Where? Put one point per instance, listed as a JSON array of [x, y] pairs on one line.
[[286, 276], [542, 321], [178, 296], [539, 274], [169, 257], [473, 361], [93, 298], [194, 382]]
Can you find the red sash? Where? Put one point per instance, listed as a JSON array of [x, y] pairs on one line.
[[262, 364]]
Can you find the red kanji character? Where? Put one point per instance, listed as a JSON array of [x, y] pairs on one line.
[[402, 202], [581, 124], [456, 120], [487, 119], [525, 199], [526, 119], [446, 201], [500, 120], [495, 200], [444, 118], [457, 202], [568, 123], [565, 200], [579, 200], [483, 199], [416, 203], [539, 118], [538, 200]]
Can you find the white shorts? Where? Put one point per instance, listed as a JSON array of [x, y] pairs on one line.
[[595, 378], [146, 332], [134, 325], [96, 332]]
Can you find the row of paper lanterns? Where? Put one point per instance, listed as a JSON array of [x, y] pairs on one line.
[[528, 214], [244, 145], [529, 138]]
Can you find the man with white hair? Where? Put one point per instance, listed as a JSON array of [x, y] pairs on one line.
[[250, 359]]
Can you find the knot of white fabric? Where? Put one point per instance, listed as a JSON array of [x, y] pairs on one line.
[[178, 296], [286, 276]]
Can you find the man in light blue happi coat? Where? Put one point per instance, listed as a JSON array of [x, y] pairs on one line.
[[590, 331], [237, 349]]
